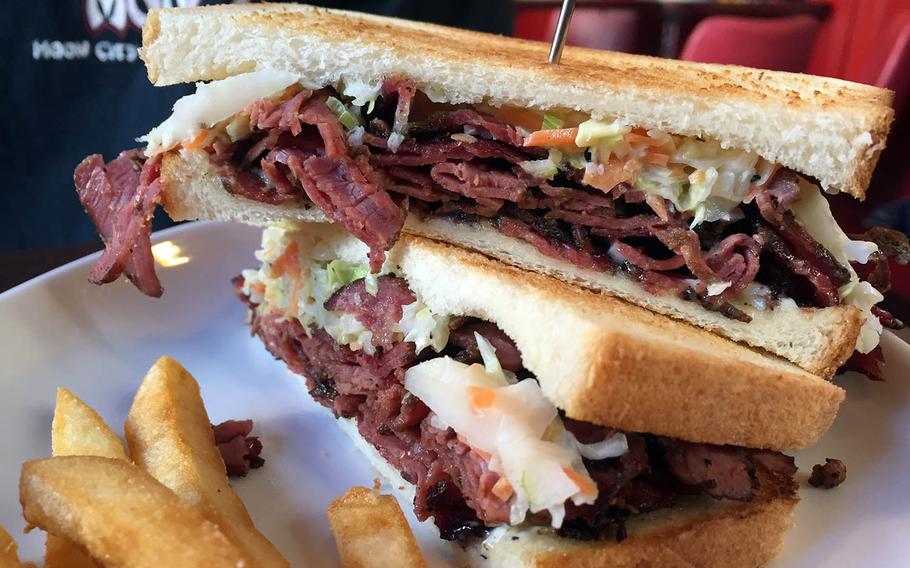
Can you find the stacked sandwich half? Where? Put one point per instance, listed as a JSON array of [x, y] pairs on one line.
[[577, 312]]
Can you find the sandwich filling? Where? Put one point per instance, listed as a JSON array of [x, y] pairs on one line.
[[682, 215], [446, 400]]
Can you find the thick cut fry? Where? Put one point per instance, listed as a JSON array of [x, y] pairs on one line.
[[170, 436], [121, 515], [77, 430], [9, 557], [371, 531], [61, 553]]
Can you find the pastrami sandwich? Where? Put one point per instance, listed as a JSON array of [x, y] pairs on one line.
[[514, 410], [695, 191]]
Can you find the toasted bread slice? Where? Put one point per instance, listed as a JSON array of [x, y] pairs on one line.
[[698, 532], [605, 361], [818, 340], [825, 128]]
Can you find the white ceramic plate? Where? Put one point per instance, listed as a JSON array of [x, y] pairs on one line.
[[59, 330]]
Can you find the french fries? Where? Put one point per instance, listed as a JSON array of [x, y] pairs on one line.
[[170, 436], [121, 514], [77, 430], [61, 553], [371, 531], [9, 558]]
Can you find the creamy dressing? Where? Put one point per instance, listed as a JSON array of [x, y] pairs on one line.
[[300, 282], [516, 428], [212, 103]]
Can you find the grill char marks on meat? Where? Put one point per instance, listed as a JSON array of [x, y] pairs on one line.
[[453, 483], [120, 197], [824, 291], [802, 255], [721, 471], [553, 247]]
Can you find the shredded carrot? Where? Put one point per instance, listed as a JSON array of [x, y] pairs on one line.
[[555, 137], [288, 262], [528, 119], [197, 141], [658, 158], [259, 288], [634, 138], [480, 398], [614, 172], [295, 294], [585, 485], [503, 489]]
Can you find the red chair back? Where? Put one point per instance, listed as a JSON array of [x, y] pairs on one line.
[[780, 44], [613, 29], [889, 66]]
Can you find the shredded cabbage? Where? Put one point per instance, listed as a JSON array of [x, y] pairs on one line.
[[318, 280], [551, 122], [718, 287], [699, 177], [814, 213], [600, 137], [341, 273], [362, 93], [422, 326], [212, 103], [345, 117], [239, 127], [518, 426], [717, 182], [591, 132], [355, 136], [612, 447], [488, 354], [546, 168], [394, 141]]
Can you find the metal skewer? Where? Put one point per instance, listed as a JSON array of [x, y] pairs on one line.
[[562, 27]]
